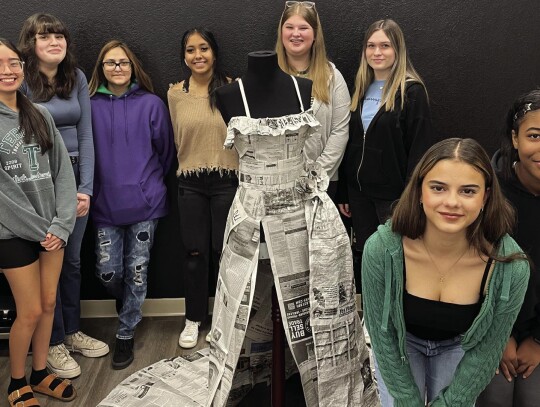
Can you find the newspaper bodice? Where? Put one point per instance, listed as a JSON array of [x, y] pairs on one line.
[[271, 152]]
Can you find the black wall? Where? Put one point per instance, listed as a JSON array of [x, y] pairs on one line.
[[475, 57]]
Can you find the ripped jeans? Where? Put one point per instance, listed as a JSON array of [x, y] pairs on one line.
[[123, 254]]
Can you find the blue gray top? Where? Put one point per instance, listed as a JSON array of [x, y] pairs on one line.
[[372, 102], [73, 119]]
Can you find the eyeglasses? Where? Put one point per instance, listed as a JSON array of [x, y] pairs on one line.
[[111, 65], [306, 4], [15, 66]]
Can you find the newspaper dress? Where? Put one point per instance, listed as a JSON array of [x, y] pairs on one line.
[[311, 267]]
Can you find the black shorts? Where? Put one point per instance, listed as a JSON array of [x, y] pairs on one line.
[[18, 252]]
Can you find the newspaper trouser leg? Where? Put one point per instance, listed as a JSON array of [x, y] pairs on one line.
[[233, 301], [340, 351]]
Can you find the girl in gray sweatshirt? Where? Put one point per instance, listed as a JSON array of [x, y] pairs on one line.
[[37, 215]]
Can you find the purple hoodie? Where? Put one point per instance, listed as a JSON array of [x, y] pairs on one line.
[[134, 149]]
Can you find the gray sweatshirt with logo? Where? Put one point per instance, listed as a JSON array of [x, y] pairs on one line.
[[37, 191]]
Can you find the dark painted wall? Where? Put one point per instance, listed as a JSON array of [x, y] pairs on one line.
[[475, 57]]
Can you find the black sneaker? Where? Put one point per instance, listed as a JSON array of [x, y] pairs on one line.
[[123, 353]]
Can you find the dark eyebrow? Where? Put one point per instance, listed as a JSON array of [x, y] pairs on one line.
[[462, 186], [533, 128]]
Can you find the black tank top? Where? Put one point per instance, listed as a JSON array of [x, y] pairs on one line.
[[437, 320]]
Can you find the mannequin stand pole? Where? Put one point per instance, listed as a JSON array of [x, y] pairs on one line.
[[278, 355], [278, 341]]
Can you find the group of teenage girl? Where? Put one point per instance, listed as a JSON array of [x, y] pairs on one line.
[[450, 299]]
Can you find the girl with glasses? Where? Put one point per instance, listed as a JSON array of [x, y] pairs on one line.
[[517, 164], [54, 81], [207, 179], [390, 130], [443, 281], [37, 214], [134, 150], [301, 52]]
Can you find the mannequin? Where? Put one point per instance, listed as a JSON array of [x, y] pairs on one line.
[[269, 91], [283, 194]]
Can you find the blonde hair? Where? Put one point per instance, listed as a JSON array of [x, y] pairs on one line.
[[137, 72], [402, 70], [319, 67]]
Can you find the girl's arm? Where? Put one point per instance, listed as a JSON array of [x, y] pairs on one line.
[[478, 365], [84, 137], [64, 185], [394, 369], [416, 124], [162, 135], [334, 149]]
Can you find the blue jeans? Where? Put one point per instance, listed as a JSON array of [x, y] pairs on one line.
[[519, 392], [123, 254], [67, 314], [432, 364]]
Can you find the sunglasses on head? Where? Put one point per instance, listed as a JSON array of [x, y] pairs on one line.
[[306, 4]]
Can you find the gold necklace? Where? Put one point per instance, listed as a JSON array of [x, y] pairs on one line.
[[442, 276]]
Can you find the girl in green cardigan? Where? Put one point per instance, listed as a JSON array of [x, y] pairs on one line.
[[443, 281]]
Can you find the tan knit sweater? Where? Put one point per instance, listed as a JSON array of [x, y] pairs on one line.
[[199, 134]]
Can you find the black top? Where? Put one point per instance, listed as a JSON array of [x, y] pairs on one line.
[[437, 320], [379, 159], [525, 233]]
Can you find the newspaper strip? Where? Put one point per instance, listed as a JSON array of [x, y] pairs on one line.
[[180, 381]]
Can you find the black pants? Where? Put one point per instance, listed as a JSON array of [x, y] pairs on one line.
[[203, 202], [367, 214]]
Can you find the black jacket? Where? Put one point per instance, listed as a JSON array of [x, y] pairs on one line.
[[526, 235], [380, 161]]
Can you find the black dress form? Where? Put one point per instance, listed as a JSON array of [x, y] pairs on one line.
[[270, 92]]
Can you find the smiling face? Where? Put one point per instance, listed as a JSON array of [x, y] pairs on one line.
[[297, 36], [118, 78], [453, 195], [50, 48], [11, 74], [198, 55], [380, 54], [527, 143]]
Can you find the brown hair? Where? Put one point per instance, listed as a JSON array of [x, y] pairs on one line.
[[42, 89], [137, 72], [32, 124], [497, 217], [319, 67]]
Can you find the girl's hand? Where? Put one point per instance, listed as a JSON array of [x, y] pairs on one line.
[[509, 362], [52, 243], [528, 356], [83, 204], [345, 210]]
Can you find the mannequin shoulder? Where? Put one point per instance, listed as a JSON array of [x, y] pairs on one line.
[[229, 101]]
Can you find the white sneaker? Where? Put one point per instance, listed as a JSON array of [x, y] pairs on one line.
[[190, 334], [88, 346], [60, 362]]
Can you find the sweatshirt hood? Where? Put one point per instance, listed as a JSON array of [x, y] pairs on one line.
[[102, 89], [498, 163], [6, 111]]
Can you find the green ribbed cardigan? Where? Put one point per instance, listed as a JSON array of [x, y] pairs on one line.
[[483, 343]]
